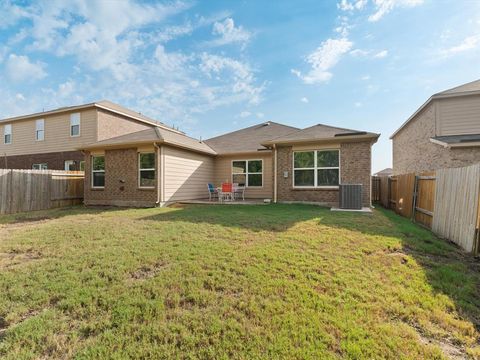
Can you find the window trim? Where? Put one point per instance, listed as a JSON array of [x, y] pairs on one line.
[[139, 170], [9, 126], [40, 166], [247, 172], [315, 169], [70, 162], [79, 125], [38, 130], [96, 171]]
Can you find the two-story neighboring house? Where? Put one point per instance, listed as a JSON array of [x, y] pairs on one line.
[[51, 139], [444, 132]]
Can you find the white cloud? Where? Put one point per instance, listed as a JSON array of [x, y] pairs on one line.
[[358, 104], [245, 114], [20, 97], [19, 68], [325, 57], [346, 5], [383, 7], [260, 115], [228, 33], [381, 54], [469, 43], [304, 100], [359, 52], [365, 77]]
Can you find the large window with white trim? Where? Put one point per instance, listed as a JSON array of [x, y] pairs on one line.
[[39, 130], [316, 168], [247, 173], [7, 134], [146, 170], [98, 171], [75, 124]]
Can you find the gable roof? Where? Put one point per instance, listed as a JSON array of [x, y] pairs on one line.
[[249, 139], [321, 132], [103, 104], [386, 171], [471, 88], [153, 135]]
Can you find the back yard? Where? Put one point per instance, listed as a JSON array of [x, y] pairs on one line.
[[276, 281]]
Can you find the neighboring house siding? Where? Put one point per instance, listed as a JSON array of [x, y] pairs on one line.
[[223, 173], [185, 174], [458, 116], [54, 160], [111, 125], [414, 152], [57, 134], [121, 181], [355, 168]]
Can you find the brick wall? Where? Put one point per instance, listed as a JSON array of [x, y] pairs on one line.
[[414, 152], [355, 168], [54, 160], [121, 181]]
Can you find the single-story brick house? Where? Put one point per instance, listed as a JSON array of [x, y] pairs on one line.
[[157, 167]]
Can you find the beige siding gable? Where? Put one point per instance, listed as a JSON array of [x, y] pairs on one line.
[[56, 137], [185, 174], [111, 125], [458, 116]]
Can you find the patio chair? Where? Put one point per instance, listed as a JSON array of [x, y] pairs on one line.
[[226, 192], [212, 192], [238, 191]]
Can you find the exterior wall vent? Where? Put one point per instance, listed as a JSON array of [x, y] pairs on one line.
[[350, 196]]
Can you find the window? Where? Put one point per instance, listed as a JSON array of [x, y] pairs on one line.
[[75, 124], [39, 130], [98, 171], [7, 134], [42, 166], [146, 170], [248, 173], [319, 168], [82, 165], [69, 165]]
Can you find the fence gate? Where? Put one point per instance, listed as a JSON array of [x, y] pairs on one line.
[[456, 206]]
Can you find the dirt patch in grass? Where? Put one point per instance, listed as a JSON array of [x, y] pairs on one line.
[[449, 348], [13, 258], [147, 271]]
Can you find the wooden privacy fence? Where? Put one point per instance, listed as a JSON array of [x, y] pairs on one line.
[[28, 190], [446, 201]]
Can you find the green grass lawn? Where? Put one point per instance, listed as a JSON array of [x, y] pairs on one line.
[[232, 282]]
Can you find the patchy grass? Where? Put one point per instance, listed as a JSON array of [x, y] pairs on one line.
[[277, 281]]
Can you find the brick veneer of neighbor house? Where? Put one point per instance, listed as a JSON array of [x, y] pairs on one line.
[[355, 168], [54, 160], [414, 152], [121, 181]]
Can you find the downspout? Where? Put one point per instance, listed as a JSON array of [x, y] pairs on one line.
[[275, 173], [159, 186]]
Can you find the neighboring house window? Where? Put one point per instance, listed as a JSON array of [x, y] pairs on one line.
[[248, 173], [98, 171], [319, 168], [82, 165], [40, 130], [7, 134], [69, 165], [42, 166], [146, 170], [75, 124]]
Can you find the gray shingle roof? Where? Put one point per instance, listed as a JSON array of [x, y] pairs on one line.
[[153, 135], [468, 87], [320, 132], [458, 139], [249, 139]]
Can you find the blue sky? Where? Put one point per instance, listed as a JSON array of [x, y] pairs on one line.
[[210, 67]]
